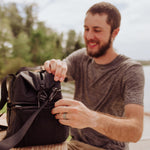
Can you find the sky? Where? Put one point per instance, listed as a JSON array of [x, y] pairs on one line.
[[133, 39]]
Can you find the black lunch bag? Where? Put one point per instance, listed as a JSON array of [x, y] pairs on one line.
[[30, 97]]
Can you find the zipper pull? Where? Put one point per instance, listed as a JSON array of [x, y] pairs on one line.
[[53, 94]]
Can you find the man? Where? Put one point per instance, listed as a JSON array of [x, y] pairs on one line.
[[107, 110]]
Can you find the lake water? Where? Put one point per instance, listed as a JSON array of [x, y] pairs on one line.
[[147, 89]]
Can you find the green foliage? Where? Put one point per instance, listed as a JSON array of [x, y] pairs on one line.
[[15, 19], [13, 65], [25, 41], [3, 110], [73, 43], [30, 18], [21, 47]]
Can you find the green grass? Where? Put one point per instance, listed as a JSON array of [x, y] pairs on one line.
[[3, 110], [69, 138]]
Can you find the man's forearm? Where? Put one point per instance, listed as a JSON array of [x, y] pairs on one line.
[[126, 129]]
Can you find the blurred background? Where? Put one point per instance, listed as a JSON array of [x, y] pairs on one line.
[[27, 41], [32, 31]]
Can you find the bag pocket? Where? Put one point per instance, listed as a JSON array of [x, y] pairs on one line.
[[44, 130]]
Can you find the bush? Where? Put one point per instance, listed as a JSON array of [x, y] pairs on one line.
[[13, 65]]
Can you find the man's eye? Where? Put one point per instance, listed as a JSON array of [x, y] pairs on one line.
[[85, 29], [97, 30]]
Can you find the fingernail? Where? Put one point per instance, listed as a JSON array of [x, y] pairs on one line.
[[56, 78], [61, 79]]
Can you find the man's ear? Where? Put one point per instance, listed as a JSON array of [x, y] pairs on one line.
[[115, 33]]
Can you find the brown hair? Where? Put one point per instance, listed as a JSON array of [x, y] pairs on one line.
[[113, 14]]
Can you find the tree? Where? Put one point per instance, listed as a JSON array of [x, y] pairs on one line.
[[21, 47], [45, 44], [70, 42], [73, 43], [15, 19], [79, 43], [37, 42], [30, 18], [26, 41], [6, 38]]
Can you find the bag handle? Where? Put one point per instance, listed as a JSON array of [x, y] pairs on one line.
[[18, 136], [4, 91]]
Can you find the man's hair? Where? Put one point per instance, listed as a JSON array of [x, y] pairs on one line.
[[113, 14]]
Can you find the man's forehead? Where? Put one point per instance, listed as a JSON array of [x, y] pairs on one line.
[[95, 20]]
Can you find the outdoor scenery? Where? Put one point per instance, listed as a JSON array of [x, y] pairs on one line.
[[25, 41]]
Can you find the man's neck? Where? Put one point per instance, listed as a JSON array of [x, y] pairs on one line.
[[107, 58]]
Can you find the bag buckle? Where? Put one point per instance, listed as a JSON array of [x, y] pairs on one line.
[[43, 96]]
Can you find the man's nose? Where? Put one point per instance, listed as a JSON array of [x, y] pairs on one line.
[[90, 35]]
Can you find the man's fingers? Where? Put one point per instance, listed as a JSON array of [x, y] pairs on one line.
[[47, 66], [58, 70], [53, 65], [67, 102], [56, 67], [65, 122], [62, 106], [61, 71], [65, 116], [59, 110]]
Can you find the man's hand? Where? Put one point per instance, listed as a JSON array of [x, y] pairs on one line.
[[77, 115], [56, 67]]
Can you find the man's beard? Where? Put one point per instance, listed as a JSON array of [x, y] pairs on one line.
[[101, 51]]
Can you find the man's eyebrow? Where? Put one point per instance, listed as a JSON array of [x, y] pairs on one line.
[[85, 26], [95, 27]]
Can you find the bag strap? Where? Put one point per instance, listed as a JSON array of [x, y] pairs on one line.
[[4, 98], [18, 136], [3, 128], [4, 92]]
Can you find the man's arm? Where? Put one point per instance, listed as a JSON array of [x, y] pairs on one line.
[[127, 129]]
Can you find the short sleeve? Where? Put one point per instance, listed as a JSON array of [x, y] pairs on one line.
[[134, 85], [73, 63]]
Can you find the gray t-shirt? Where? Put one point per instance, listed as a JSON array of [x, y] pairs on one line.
[[104, 88]]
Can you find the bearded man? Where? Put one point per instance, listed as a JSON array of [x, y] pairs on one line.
[[107, 109]]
